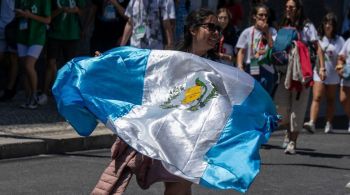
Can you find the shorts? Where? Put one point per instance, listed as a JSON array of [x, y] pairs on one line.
[[68, 48], [332, 78], [345, 83], [4, 47], [25, 50]]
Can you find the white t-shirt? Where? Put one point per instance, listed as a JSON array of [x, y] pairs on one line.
[[346, 52], [147, 16], [309, 33], [331, 49], [245, 40]]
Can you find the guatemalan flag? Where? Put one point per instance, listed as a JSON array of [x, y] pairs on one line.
[[204, 121]]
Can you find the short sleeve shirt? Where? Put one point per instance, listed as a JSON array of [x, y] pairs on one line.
[[345, 51], [331, 49], [309, 33], [32, 32], [147, 16], [66, 26], [247, 36]]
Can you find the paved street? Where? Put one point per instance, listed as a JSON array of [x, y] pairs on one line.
[[322, 166]]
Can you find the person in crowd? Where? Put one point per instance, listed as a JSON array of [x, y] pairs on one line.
[[344, 60], [253, 45], [148, 22], [63, 38], [229, 37], [235, 7], [272, 15], [331, 44], [201, 35], [34, 16], [109, 20], [8, 28], [292, 104]]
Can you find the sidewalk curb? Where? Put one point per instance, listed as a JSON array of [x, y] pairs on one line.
[[21, 146]]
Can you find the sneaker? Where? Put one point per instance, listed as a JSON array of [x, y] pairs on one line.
[[31, 103], [290, 148], [348, 185], [42, 99], [349, 127], [310, 127], [328, 128], [285, 142]]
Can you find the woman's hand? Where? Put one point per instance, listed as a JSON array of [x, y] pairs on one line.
[[322, 74], [23, 13], [340, 69]]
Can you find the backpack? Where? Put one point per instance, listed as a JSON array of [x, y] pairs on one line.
[[284, 39]]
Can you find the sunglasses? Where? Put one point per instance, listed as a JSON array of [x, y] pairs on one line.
[[262, 15], [211, 27]]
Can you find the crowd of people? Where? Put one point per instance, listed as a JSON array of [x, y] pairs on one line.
[[288, 58], [29, 27]]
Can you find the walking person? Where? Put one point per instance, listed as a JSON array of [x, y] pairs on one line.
[[148, 22], [343, 66], [229, 37], [253, 46], [63, 38], [34, 16], [331, 44], [291, 103]]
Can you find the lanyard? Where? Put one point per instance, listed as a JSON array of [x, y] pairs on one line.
[[260, 44]]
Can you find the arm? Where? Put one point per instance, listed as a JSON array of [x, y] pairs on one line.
[[168, 29], [127, 32], [340, 64], [29, 15], [322, 71], [240, 57], [120, 9]]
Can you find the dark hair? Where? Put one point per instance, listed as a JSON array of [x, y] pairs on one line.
[[193, 20], [255, 10], [221, 10], [329, 17], [299, 19]]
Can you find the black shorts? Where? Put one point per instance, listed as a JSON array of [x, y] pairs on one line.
[[67, 49]]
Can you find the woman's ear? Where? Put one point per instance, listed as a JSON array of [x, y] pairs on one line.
[[193, 31]]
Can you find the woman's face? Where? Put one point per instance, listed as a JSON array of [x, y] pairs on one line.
[[291, 9], [223, 19], [261, 16], [328, 27], [207, 34]]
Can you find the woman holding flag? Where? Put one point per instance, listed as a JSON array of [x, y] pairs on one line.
[[179, 117]]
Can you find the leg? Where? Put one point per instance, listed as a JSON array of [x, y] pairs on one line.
[[331, 91], [178, 188], [317, 92], [282, 99], [345, 99], [51, 70], [31, 74]]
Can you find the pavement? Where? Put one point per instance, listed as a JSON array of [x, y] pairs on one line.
[[26, 132]]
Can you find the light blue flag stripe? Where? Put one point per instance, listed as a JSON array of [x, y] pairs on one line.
[[242, 136], [78, 86]]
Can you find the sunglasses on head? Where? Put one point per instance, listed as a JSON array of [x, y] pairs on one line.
[[211, 27]]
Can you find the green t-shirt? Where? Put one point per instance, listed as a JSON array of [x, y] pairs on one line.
[[32, 32], [66, 26]]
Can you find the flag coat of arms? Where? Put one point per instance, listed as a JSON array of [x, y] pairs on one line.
[[204, 121]]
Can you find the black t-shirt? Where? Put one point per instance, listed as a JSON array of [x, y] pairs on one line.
[[109, 24]]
